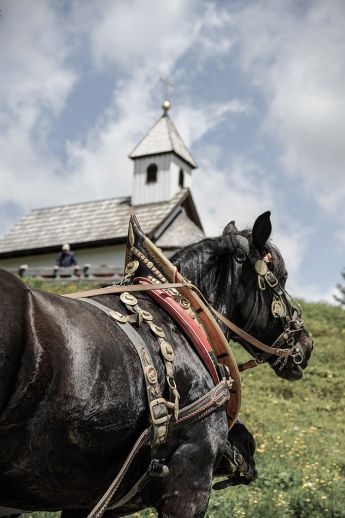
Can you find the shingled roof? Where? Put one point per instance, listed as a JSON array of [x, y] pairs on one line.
[[90, 224], [163, 137], [182, 232]]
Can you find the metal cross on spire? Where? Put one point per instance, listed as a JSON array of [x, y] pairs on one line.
[[167, 84]]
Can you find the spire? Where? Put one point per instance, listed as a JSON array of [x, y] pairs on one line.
[[162, 138]]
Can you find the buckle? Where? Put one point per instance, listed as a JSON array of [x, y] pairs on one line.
[[271, 279], [159, 402], [261, 283]]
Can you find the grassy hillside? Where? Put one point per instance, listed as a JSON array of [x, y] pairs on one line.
[[299, 429]]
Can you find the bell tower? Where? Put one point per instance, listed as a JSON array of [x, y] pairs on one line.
[[162, 163]]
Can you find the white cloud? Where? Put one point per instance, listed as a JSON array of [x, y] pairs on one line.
[[295, 54], [144, 45], [138, 35], [222, 195], [35, 83]]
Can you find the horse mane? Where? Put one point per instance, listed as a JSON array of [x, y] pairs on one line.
[[212, 265]]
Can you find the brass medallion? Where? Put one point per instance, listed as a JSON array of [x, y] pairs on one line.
[[117, 316], [151, 374], [167, 350], [156, 329], [185, 303], [132, 267], [146, 315], [129, 299], [278, 308], [261, 267]]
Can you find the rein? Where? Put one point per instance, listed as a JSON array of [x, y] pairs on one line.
[[165, 286]]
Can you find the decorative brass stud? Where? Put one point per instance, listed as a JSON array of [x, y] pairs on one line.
[[151, 374], [117, 316], [132, 267], [156, 329], [146, 315], [185, 303], [129, 299], [167, 350]]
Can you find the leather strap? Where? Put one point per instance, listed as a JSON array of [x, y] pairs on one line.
[[205, 405], [101, 506], [148, 287], [122, 288], [248, 338], [159, 416]]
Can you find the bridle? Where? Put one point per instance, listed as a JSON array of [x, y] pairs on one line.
[[284, 308]]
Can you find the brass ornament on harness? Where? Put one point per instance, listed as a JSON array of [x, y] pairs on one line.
[[278, 308], [151, 374], [146, 315], [261, 267], [156, 329], [261, 283], [116, 315], [166, 350], [131, 267], [185, 303], [129, 299]]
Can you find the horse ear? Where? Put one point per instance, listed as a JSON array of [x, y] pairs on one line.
[[234, 243], [262, 229], [230, 228]]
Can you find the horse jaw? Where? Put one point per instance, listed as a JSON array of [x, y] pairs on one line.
[[291, 372]]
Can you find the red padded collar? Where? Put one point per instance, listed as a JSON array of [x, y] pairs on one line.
[[188, 325]]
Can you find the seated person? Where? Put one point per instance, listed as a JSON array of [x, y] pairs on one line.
[[66, 257]]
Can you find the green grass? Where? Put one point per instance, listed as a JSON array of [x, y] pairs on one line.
[[299, 429]]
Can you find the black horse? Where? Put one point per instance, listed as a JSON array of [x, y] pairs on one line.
[[73, 397]]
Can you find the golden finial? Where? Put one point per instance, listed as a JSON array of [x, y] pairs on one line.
[[166, 106], [167, 84]]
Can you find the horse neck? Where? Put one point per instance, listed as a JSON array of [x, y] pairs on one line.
[[213, 273]]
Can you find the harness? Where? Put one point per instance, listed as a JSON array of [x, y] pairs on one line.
[[162, 422], [284, 308], [148, 270]]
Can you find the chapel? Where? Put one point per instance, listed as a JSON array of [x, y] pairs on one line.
[[161, 198]]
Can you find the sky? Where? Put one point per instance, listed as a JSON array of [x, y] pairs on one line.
[[258, 96]]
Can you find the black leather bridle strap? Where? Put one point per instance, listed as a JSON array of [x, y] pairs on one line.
[[248, 338]]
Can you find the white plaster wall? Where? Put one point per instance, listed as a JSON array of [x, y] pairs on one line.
[[107, 255]]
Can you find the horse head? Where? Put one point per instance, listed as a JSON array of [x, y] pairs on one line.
[[263, 308]]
